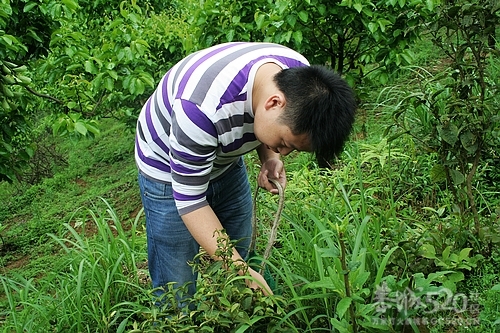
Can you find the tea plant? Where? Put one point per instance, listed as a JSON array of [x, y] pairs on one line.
[[222, 302], [454, 112]]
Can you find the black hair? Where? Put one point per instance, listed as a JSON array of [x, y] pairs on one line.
[[320, 103]]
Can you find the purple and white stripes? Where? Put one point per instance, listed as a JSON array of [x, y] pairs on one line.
[[199, 120]]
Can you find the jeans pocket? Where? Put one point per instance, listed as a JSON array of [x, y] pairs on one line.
[[240, 163], [154, 190]]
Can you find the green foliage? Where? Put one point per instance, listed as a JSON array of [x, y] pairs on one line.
[[89, 60], [454, 113], [32, 22], [25, 30], [215, 21], [97, 288], [346, 235], [382, 223], [450, 260], [222, 302], [93, 168], [350, 36], [113, 72]]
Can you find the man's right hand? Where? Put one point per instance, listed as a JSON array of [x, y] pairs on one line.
[[258, 282]]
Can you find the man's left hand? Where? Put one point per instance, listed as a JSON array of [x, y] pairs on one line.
[[272, 168]]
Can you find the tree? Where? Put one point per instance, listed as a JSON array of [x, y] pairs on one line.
[[100, 59], [355, 37], [461, 102], [25, 27]]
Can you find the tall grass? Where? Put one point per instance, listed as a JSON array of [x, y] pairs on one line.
[[344, 233], [332, 257], [345, 236], [98, 287]]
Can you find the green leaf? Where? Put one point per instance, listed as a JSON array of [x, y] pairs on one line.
[[7, 92], [286, 37], [230, 35], [90, 67], [5, 9], [131, 84], [141, 46], [408, 57], [303, 16], [464, 254], [343, 306], [372, 26], [448, 133], [70, 4], [109, 84], [139, 87], [73, 67], [75, 116], [367, 11], [330, 252], [383, 78], [438, 173], [383, 23], [456, 277], [321, 9], [96, 83], [57, 127], [358, 6], [71, 105], [224, 301], [297, 36], [8, 39], [29, 6], [457, 177], [122, 326], [469, 142], [446, 252], [291, 20], [428, 251], [341, 326], [430, 5], [383, 264], [24, 79], [325, 283], [8, 147], [113, 74], [92, 129], [81, 128], [361, 279], [259, 20]]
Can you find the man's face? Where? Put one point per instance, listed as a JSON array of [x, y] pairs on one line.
[[279, 138], [271, 130]]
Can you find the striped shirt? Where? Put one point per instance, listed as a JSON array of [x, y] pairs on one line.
[[199, 120]]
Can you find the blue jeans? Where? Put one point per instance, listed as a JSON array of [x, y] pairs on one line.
[[170, 244]]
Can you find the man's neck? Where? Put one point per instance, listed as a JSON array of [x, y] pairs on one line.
[[264, 84]]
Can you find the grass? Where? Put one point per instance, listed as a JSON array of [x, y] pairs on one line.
[[103, 168], [95, 287]]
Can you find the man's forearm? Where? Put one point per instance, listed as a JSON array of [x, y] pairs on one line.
[[205, 227]]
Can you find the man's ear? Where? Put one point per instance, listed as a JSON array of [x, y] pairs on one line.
[[275, 101]]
